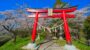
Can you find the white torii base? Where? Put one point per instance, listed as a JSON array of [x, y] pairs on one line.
[[70, 47], [30, 46]]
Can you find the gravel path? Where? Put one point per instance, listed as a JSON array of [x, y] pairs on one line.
[[50, 46]]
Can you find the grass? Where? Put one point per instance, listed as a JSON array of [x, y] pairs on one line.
[[24, 41], [19, 43], [39, 40], [81, 46], [76, 43], [60, 42]]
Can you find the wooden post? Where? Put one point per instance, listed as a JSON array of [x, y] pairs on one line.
[[35, 27], [66, 29]]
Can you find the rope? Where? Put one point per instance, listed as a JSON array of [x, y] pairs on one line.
[[52, 27], [49, 28]]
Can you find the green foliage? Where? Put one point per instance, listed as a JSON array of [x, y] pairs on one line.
[[60, 3], [43, 34], [87, 27], [22, 33], [20, 42]]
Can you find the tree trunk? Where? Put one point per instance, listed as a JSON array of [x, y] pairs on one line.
[[14, 38]]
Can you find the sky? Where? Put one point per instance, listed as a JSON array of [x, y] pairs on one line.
[[14, 4]]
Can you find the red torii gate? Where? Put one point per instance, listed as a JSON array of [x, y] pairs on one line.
[[62, 13]]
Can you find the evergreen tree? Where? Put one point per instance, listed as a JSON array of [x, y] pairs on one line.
[[87, 29]]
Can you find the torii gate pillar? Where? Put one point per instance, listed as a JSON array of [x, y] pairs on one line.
[[66, 29]]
